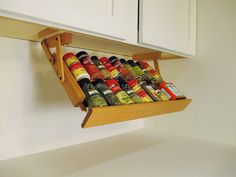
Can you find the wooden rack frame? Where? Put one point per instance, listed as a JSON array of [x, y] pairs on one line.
[[98, 116]]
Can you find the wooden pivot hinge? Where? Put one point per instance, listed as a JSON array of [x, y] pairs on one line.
[[56, 41], [152, 56]]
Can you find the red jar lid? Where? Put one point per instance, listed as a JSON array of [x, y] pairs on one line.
[[75, 66], [111, 82], [162, 85], [68, 55], [104, 60], [132, 83], [110, 68], [115, 89]]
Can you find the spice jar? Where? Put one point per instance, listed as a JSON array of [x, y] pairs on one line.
[[140, 92], [92, 97], [106, 92], [115, 74], [138, 71], [70, 58], [122, 96], [146, 72], [172, 90], [121, 68], [134, 97], [101, 67], [90, 67], [157, 77], [150, 91], [136, 77]]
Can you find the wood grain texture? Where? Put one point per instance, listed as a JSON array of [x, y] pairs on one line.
[[111, 114], [47, 33]]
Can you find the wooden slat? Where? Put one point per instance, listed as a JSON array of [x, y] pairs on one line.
[[47, 33], [111, 114], [65, 39], [147, 56]]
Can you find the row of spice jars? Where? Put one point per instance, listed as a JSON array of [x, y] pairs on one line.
[[138, 82]]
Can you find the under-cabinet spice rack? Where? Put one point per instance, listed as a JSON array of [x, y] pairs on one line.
[[99, 116], [56, 38]]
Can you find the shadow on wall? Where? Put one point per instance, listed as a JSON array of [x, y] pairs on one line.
[[47, 87]]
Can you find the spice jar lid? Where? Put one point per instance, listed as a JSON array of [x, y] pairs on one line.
[[104, 60], [111, 82], [94, 58], [132, 83], [83, 82], [123, 61], [131, 63], [97, 81], [113, 59], [139, 64], [68, 55], [81, 54]]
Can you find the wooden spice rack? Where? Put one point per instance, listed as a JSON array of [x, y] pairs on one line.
[[99, 116], [56, 38]]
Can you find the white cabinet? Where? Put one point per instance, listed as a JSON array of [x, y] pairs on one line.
[[168, 24], [107, 17]]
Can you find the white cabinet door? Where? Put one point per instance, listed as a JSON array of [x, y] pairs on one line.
[[106, 17], [168, 24]]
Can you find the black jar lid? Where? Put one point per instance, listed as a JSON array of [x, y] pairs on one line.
[[97, 81], [113, 59], [94, 58], [83, 82], [81, 54], [123, 61], [131, 63], [139, 64]]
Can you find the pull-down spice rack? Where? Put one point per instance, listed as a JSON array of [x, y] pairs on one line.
[[56, 38]]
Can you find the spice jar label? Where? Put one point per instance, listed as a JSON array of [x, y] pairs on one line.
[[107, 92], [91, 92]]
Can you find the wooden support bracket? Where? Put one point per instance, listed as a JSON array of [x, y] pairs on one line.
[[56, 41], [153, 56]]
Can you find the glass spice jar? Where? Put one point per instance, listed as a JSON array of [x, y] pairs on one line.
[[120, 94], [106, 92], [101, 67], [136, 77], [138, 71], [157, 77], [150, 91], [134, 97], [140, 92], [88, 64], [127, 75], [92, 97], [115, 74]]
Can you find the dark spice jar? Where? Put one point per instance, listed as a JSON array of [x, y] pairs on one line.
[[88, 64], [127, 75], [92, 97], [106, 92], [132, 94], [101, 67]]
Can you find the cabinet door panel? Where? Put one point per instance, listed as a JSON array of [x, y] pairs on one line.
[[107, 17], [168, 24]]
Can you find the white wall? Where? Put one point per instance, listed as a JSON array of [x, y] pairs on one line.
[[35, 113], [208, 78]]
